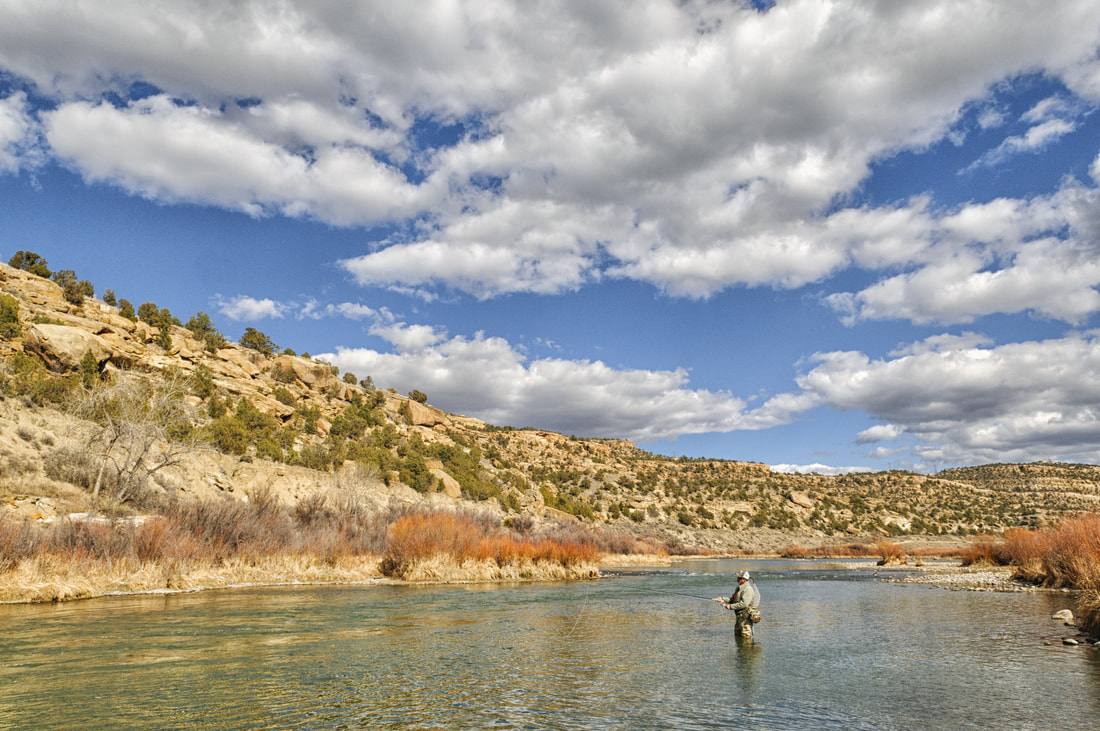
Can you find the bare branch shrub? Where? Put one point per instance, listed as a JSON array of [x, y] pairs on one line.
[[134, 430], [18, 540], [351, 487], [311, 509], [890, 553], [74, 465]]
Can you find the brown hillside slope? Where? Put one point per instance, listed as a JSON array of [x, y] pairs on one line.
[[292, 426]]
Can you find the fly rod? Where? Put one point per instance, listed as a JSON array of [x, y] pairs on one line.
[[677, 593]]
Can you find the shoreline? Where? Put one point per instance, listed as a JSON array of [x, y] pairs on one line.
[[29, 584], [32, 583]]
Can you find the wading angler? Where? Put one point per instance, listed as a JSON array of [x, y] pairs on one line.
[[744, 602]]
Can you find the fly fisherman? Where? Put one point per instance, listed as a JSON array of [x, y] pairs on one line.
[[743, 602]]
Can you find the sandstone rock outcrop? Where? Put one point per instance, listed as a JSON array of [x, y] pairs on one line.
[[61, 347], [424, 415], [802, 500]]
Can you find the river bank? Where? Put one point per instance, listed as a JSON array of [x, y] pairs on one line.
[[60, 581], [54, 579]]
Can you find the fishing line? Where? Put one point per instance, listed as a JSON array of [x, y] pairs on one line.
[[677, 593], [580, 614]]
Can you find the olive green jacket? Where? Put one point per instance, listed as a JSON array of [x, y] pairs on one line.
[[743, 598]]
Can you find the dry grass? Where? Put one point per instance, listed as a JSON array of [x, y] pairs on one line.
[[985, 550], [1065, 555], [847, 550], [883, 549], [935, 552], [52, 578], [191, 545], [1088, 612], [205, 544], [429, 546], [447, 569], [889, 553]]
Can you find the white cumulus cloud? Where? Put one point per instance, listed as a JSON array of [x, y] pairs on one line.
[[18, 144], [1014, 402], [242, 307], [693, 146], [491, 379]]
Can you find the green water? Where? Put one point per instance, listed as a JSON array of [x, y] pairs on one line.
[[837, 649]]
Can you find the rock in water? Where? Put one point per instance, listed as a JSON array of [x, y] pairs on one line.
[[1064, 615]]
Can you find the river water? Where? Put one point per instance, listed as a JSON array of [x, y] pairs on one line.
[[638, 649]]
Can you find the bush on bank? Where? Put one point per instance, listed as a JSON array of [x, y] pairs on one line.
[[1066, 555], [416, 538], [229, 541]]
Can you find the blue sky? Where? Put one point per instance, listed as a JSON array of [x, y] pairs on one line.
[[821, 235]]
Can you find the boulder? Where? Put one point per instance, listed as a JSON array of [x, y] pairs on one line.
[[802, 500], [271, 406], [188, 347], [62, 347], [240, 360], [32, 289], [424, 415], [451, 488], [901, 522], [315, 375], [1064, 615], [124, 351]]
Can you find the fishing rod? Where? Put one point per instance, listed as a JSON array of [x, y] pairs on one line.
[[677, 593]]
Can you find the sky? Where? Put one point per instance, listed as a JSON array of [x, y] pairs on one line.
[[826, 236]]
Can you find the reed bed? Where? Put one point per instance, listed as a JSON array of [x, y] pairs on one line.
[[209, 544], [1065, 555], [188, 546], [439, 546]]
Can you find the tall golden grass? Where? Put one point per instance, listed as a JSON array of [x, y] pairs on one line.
[[189, 545], [1064, 555], [216, 543], [889, 553], [416, 540]]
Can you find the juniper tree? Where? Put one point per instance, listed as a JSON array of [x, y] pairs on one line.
[[30, 262], [10, 326], [256, 340]]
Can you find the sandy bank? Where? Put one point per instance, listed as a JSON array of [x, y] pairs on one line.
[[45, 580]]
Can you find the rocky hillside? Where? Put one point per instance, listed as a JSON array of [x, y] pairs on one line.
[[136, 407]]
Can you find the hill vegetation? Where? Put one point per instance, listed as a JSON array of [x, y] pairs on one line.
[[118, 411]]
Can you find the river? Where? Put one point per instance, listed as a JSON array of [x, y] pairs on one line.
[[638, 649]]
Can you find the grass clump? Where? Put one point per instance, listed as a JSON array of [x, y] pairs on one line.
[[1066, 555], [447, 539]]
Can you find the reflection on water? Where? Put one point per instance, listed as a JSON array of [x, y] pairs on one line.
[[638, 650]]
